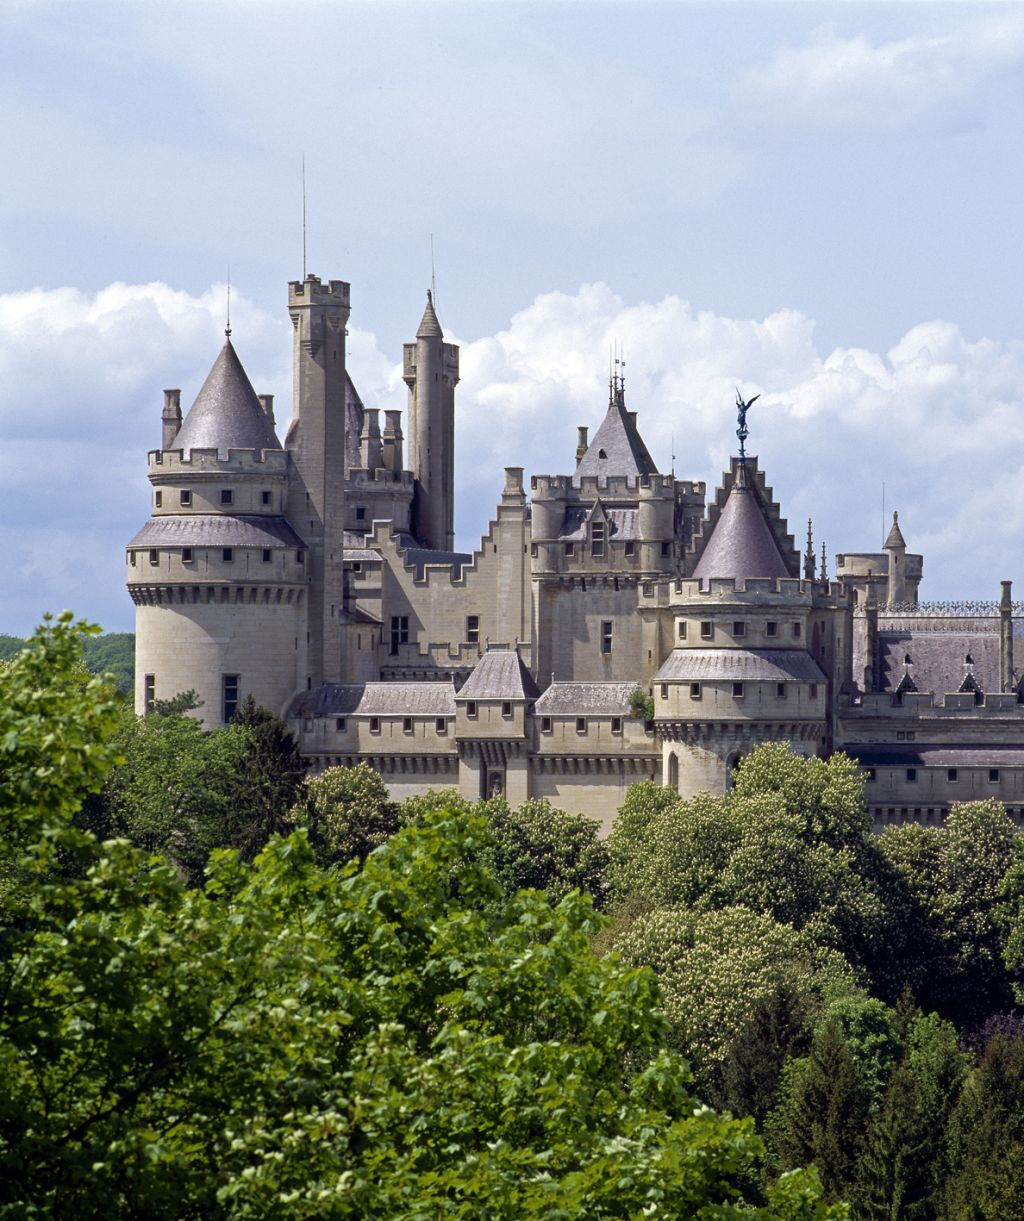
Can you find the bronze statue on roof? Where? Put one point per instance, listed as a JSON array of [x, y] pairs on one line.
[[741, 415]]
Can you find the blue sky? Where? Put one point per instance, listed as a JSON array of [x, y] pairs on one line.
[[818, 202]]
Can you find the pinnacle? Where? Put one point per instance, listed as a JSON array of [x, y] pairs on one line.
[[429, 327]]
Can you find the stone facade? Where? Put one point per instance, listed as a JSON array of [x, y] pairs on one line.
[[320, 576]]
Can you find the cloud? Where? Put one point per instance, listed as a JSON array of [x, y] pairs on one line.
[[852, 83], [937, 417]]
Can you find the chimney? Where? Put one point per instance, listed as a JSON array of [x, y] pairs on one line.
[[370, 448], [171, 418], [391, 448], [267, 403], [581, 444], [1006, 676]]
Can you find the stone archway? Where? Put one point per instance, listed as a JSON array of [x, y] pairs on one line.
[[731, 763]]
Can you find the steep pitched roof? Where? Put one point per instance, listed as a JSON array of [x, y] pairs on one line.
[[895, 538], [617, 448], [429, 327], [226, 414], [499, 675], [742, 544]]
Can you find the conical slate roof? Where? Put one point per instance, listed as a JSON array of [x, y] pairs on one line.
[[429, 327], [499, 675], [617, 448], [895, 538], [226, 414], [742, 544]]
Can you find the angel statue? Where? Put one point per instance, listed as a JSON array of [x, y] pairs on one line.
[[741, 415]]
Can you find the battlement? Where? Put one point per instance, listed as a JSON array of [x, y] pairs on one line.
[[589, 487], [755, 590], [361, 477], [169, 462], [312, 291]]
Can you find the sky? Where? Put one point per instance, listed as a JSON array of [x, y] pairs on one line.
[[819, 204]]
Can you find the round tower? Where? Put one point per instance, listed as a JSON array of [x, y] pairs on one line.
[[657, 522], [218, 575]]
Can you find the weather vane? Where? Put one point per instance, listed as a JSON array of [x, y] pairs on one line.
[[741, 415]]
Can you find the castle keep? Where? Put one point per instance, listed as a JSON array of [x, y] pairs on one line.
[[320, 577]]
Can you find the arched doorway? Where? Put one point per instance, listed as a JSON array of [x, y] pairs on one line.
[[731, 763], [673, 771]]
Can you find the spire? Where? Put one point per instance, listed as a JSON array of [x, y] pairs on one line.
[[824, 566], [227, 413], [809, 555], [895, 537], [429, 327]]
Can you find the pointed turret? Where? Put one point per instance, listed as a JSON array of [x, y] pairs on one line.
[[896, 549], [227, 413], [895, 540], [742, 544], [431, 371], [429, 327], [617, 448]]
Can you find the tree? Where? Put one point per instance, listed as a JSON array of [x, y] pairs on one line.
[[714, 968], [986, 1133], [269, 783], [175, 789], [539, 847], [347, 812], [389, 1041]]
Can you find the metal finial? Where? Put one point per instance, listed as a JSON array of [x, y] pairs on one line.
[[741, 416], [227, 325], [433, 277], [824, 565], [809, 555], [304, 216]]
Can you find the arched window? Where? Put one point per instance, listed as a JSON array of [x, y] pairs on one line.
[[673, 772]]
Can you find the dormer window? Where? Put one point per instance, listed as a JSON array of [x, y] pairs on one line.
[[597, 537], [601, 454], [227, 496]]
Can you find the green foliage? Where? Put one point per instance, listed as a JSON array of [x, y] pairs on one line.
[[715, 967], [986, 1135], [644, 804], [960, 907], [108, 653], [540, 848], [271, 777], [641, 705], [176, 788], [347, 812], [391, 1041]]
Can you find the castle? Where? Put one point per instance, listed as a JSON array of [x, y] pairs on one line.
[[320, 577]]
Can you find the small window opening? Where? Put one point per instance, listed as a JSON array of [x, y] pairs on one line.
[[616, 724], [149, 693], [229, 694], [375, 724], [441, 725], [581, 724], [739, 628], [154, 556], [185, 497], [339, 724], [606, 636], [682, 630], [360, 513], [407, 724], [227, 555], [695, 691], [158, 499], [506, 709], [771, 629], [545, 724], [472, 629], [780, 691], [266, 555], [630, 548], [186, 555], [471, 709], [227, 496], [266, 498], [737, 691], [706, 631]]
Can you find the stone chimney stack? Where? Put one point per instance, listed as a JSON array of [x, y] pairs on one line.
[[391, 447], [171, 418], [371, 451], [1006, 682], [581, 444]]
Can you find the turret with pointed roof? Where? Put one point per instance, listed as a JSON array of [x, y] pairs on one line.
[[227, 413], [744, 537], [896, 550], [431, 371]]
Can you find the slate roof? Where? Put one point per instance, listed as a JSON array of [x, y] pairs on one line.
[[499, 674], [742, 544], [216, 530], [362, 554], [585, 699], [419, 557], [226, 414], [740, 665], [620, 441], [971, 754], [938, 659], [622, 524], [377, 699], [429, 327]]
